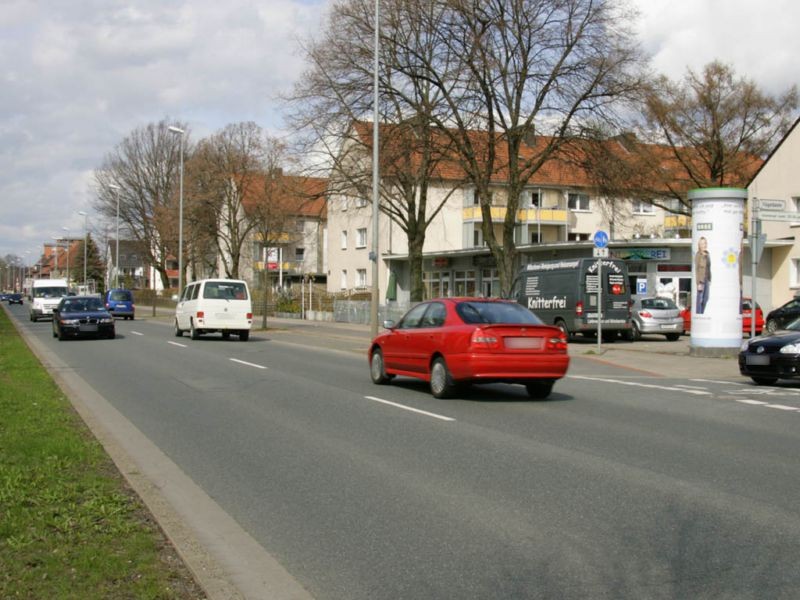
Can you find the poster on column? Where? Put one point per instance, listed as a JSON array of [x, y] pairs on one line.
[[717, 238]]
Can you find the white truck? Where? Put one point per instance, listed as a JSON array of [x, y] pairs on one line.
[[45, 296]]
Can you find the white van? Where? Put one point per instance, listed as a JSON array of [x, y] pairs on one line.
[[215, 305], [45, 296]]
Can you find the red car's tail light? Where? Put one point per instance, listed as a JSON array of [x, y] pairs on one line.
[[484, 339], [556, 343], [579, 308], [201, 314]]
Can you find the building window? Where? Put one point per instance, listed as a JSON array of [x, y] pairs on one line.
[[464, 283], [361, 278], [299, 254], [361, 238], [436, 284], [534, 237], [343, 280], [361, 202], [477, 238], [490, 283], [577, 237], [344, 240], [578, 202], [300, 226], [642, 207]]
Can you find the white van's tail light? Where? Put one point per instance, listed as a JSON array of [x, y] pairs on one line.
[[201, 314], [579, 308], [250, 316]]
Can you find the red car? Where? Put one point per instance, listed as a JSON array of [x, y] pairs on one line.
[[747, 305], [454, 341]]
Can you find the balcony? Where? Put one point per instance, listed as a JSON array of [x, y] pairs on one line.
[[546, 216], [677, 222]]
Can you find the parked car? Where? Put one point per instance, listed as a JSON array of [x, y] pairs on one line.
[[14, 298], [783, 315], [656, 315], [453, 341], [119, 303], [770, 357], [78, 316], [747, 312], [215, 305]]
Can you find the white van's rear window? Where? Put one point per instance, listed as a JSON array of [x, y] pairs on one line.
[[223, 290]]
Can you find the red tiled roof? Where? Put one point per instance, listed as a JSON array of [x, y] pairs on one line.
[[298, 196]]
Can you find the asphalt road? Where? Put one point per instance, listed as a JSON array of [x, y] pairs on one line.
[[621, 485]]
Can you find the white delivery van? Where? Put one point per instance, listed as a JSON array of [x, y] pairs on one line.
[[215, 305], [45, 296]]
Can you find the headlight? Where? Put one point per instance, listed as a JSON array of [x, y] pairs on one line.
[[744, 345], [70, 321], [106, 320], [791, 349]]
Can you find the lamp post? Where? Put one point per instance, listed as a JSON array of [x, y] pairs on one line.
[[67, 240], [85, 244], [116, 189], [375, 174], [181, 133]]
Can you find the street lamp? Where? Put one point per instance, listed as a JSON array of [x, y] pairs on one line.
[[375, 174], [67, 239], [116, 190], [181, 133], [85, 244]]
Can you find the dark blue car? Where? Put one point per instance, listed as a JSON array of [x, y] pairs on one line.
[[77, 316], [120, 303], [14, 298]]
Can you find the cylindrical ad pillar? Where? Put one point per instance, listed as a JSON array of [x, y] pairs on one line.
[[717, 244]]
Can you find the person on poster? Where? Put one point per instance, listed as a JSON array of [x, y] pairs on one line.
[[702, 273]]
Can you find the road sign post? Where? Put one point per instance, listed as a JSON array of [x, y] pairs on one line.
[[600, 251]]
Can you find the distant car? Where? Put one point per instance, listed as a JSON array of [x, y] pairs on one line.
[[14, 298], [77, 316], [656, 315], [454, 341], [783, 315], [770, 357], [3, 296], [747, 312], [119, 303]]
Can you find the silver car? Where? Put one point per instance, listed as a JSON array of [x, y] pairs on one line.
[[656, 315]]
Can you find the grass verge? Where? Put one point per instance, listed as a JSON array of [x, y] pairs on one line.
[[70, 527]]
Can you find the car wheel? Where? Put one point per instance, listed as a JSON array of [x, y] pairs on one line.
[[563, 327], [193, 332], [772, 326], [673, 337], [178, 330], [244, 335], [539, 390], [764, 380], [636, 333], [442, 384], [377, 368], [112, 335]]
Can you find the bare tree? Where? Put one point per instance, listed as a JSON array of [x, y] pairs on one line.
[[145, 168], [716, 128]]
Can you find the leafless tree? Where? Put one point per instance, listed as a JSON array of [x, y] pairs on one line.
[[145, 167]]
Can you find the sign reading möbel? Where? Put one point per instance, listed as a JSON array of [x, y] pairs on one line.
[[717, 238]]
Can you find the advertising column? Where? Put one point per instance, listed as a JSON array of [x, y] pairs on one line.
[[717, 237]]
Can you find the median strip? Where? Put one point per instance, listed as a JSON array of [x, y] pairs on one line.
[[416, 410], [249, 364]]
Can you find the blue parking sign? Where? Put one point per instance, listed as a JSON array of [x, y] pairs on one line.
[[641, 286]]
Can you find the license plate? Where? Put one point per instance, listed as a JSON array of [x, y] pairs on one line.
[[90, 328], [673, 326], [756, 360], [532, 343]]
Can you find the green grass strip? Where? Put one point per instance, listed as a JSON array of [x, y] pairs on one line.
[[69, 525]]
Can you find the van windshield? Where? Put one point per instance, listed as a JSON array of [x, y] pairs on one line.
[[225, 290], [49, 292]]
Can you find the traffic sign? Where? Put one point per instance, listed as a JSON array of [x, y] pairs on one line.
[[600, 239], [778, 215], [600, 252], [771, 205]]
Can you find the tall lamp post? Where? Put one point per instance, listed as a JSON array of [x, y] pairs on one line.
[[116, 189], [181, 133], [375, 174], [85, 216], [67, 240]]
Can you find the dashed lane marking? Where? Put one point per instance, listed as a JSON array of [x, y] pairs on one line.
[[177, 344], [697, 392], [404, 407], [136, 333], [249, 364]]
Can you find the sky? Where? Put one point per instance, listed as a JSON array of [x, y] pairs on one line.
[[78, 76]]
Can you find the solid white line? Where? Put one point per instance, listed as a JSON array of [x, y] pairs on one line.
[[249, 364], [644, 385], [722, 382], [136, 333], [782, 407], [689, 387], [754, 402], [177, 344], [422, 412]]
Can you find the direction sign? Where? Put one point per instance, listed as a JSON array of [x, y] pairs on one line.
[[771, 205], [600, 252], [776, 215], [600, 239]]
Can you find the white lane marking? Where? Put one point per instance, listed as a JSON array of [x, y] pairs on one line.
[[722, 382], [644, 385], [422, 412], [136, 333], [690, 387], [249, 364], [177, 344], [753, 402], [782, 407]]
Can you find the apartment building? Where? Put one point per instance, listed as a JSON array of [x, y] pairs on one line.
[[559, 213]]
